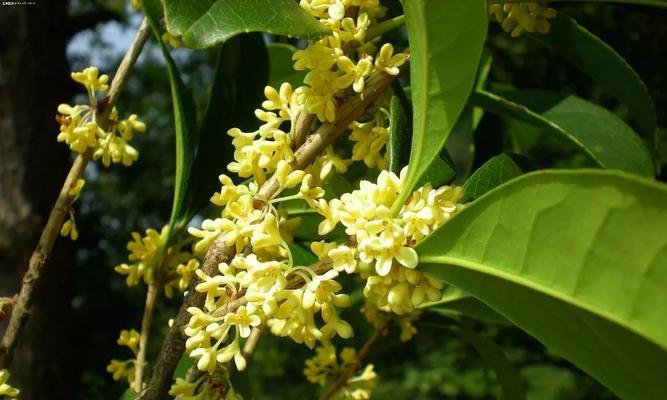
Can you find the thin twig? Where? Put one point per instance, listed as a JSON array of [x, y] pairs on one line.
[[251, 344], [174, 343], [151, 298], [42, 252], [353, 368]]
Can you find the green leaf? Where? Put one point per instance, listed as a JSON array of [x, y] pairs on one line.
[[494, 172], [653, 3], [456, 302], [302, 255], [281, 66], [439, 173], [604, 65], [205, 23], [184, 364], [600, 134], [184, 123], [578, 259], [446, 39], [237, 90], [399, 131], [130, 394], [509, 379]]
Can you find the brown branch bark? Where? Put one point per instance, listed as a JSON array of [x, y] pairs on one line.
[[40, 256], [173, 345]]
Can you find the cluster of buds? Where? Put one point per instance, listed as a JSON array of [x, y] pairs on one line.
[[146, 251], [523, 17], [325, 367], [80, 129], [125, 369]]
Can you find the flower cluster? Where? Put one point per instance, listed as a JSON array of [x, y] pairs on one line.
[[260, 235], [381, 247], [333, 68], [523, 17], [325, 367], [125, 369], [261, 276], [261, 284], [80, 130], [5, 388], [146, 251], [69, 227], [338, 64]]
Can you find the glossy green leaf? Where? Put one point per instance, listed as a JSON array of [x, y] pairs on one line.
[[281, 66], [602, 63], [399, 131], [185, 120], [205, 23], [600, 134], [239, 79], [446, 40], [509, 379], [457, 303], [494, 172], [551, 251]]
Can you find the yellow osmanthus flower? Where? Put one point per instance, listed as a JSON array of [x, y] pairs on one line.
[[69, 226], [80, 131], [130, 339], [325, 367], [384, 253], [144, 254], [211, 387], [5, 388], [125, 369], [518, 18], [331, 70], [173, 41]]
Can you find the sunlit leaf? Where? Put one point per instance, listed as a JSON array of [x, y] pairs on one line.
[[205, 23], [577, 259], [446, 41]]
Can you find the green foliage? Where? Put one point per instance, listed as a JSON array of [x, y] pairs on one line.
[[399, 133], [602, 63], [205, 23], [550, 251], [654, 3], [184, 122], [281, 70], [445, 46], [457, 303], [600, 134], [237, 89], [494, 172], [511, 384]]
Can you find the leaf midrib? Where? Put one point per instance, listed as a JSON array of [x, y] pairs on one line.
[[532, 285]]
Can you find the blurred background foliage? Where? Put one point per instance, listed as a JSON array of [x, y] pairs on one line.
[[435, 364]]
